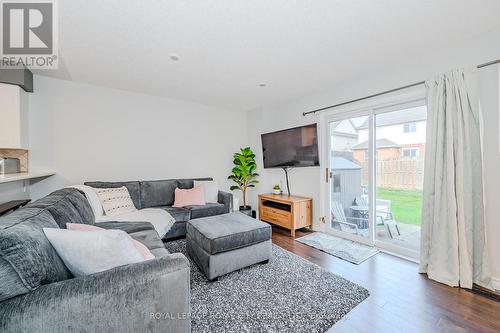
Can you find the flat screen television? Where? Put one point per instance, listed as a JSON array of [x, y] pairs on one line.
[[294, 147]]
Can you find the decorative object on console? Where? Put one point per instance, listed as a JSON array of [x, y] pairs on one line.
[[89, 252], [116, 201], [243, 174], [189, 197], [277, 189], [290, 212]]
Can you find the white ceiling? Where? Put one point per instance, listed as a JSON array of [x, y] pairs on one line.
[[228, 47]]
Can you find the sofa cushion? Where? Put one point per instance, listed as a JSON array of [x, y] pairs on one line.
[[179, 214], [210, 209], [133, 188], [221, 233], [160, 252], [143, 232], [158, 193], [128, 227], [177, 230], [149, 238], [66, 205], [27, 259]]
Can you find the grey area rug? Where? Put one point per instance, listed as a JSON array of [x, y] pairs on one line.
[[342, 248], [289, 294]]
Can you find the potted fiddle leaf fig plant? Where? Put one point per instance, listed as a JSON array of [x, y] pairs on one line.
[[243, 174]]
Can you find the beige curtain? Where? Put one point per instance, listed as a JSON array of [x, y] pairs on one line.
[[453, 244]]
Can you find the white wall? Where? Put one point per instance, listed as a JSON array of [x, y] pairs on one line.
[[85, 132], [489, 94], [306, 181], [13, 191]]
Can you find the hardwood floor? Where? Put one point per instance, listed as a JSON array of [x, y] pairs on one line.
[[401, 300]]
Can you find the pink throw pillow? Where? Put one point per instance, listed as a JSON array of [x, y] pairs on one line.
[[190, 197], [141, 248]]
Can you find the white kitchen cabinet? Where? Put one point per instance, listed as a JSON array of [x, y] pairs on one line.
[[13, 117]]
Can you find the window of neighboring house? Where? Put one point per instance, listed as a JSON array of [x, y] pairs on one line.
[[336, 183], [411, 153], [410, 127]]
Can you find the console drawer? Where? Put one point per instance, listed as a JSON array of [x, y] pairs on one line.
[[276, 218], [275, 212]]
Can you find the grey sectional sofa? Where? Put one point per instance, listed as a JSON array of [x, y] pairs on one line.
[[160, 194], [39, 294]]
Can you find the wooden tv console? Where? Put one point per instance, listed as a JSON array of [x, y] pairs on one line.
[[290, 212]]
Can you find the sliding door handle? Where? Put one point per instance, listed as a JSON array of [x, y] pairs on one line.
[[327, 175]]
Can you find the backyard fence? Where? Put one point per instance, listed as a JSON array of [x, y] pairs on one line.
[[397, 173]]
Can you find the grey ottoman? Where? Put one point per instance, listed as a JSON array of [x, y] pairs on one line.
[[224, 243]]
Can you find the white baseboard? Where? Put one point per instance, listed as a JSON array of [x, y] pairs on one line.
[[495, 283]]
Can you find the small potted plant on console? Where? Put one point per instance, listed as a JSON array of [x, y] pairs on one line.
[[277, 189], [243, 174]]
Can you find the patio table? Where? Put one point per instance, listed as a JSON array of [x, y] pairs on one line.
[[363, 211]]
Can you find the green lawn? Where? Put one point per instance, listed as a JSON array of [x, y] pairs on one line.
[[406, 205]]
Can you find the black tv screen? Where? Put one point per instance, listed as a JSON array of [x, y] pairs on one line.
[[294, 147]]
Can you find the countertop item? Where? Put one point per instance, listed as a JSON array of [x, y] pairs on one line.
[[9, 165]]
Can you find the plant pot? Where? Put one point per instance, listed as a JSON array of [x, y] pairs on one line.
[[277, 192], [247, 210]]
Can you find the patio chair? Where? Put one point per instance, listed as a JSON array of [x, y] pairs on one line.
[[362, 200], [384, 215], [338, 216], [384, 211]]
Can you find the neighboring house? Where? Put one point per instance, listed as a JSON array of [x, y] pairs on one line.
[[386, 150], [400, 135], [343, 136]]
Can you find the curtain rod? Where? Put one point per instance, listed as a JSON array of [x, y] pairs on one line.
[[386, 92]]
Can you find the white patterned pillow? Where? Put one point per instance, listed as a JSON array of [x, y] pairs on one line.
[[115, 201]]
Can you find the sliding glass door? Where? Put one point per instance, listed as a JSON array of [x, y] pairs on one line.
[[375, 176], [348, 178], [399, 173]]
